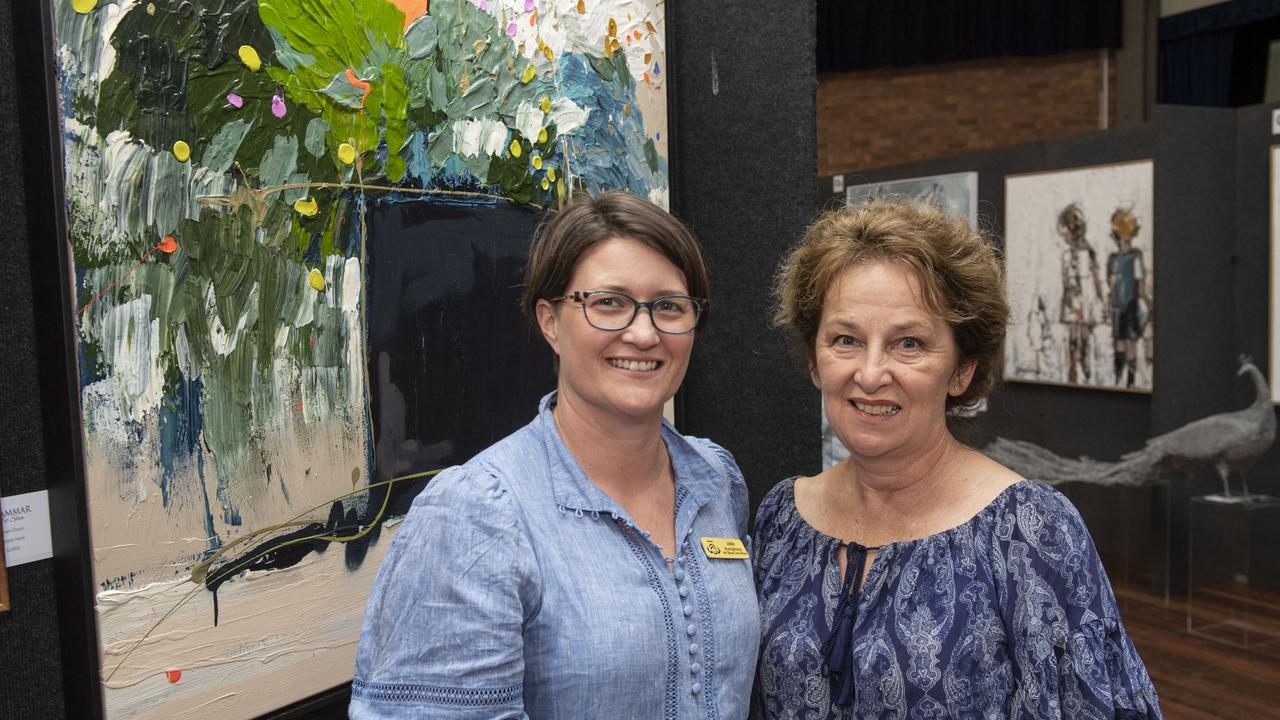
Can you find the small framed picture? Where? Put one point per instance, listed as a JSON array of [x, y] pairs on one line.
[[4, 573]]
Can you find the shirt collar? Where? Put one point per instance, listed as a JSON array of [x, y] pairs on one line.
[[574, 491]]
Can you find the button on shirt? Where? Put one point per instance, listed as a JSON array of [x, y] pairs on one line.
[[515, 588]]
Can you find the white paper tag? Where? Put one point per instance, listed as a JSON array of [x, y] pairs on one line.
[[1275, 122], [26, 528], [837, 184]]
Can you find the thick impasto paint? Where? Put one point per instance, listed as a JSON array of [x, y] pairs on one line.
[[1079, 255], [297, 229]]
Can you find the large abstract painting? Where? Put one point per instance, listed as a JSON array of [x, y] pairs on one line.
[[297, 229], [1079, 250]]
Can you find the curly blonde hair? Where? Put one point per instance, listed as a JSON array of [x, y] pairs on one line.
[[959, 271]]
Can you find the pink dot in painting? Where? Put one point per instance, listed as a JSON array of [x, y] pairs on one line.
[[277, 106], [511, 29], [528, 5], [484, 6], [235, 99]]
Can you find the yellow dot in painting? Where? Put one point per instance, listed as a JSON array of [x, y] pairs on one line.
[[529, 72], [316, 280], [306, 206], [582, 7], [346, 153], [551, 173], [546, 104], [515, 148], [151, 8], [537, 162], [250, 58], [83, 6], [546, 184], [546, 50], [542, 135], [182, 151]]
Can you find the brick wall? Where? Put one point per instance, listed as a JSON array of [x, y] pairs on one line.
[[891, 116]]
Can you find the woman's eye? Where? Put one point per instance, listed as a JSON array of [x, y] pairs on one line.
[[911, 344], [845, 340]]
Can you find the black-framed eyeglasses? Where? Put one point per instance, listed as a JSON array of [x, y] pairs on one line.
[[613, 311]]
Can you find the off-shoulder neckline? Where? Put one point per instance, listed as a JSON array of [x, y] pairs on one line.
[[999, 500]]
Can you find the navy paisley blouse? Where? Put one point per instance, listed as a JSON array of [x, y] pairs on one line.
[[1009, 615]]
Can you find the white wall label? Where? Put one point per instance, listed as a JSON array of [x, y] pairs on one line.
[[837, 182], [26, 528], [1275, 122]]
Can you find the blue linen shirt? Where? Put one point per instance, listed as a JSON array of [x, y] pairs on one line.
[[1009, 615], [516, 588]]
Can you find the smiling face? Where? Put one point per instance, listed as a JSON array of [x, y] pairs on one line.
[[885, 363], [628, 374]]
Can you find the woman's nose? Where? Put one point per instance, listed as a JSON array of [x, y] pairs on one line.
[[873, 370], [642, 332]]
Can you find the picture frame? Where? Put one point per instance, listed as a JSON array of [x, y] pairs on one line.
[[954, 193], [4, 572], [1082, 304], [390, 452]]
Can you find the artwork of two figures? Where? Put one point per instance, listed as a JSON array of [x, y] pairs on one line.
[[1079, 254]]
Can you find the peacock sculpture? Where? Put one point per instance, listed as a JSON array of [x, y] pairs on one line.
[[1228, 442]]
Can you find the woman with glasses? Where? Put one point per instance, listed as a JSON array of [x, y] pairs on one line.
[[594, 563]]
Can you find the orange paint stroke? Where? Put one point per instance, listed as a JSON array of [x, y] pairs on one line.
[[173, 675], [168, 244], [158, 246], [412, 9], [362, 84]]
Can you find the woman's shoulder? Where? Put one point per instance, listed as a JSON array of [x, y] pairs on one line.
[[1033, 507], [715, 455], [777, 506], [1045, 547]]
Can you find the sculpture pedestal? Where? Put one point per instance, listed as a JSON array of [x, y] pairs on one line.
[[1233, 573]]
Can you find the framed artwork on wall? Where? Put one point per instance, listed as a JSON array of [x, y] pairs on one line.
[[1274, 325], [297, 230], [955, 194], [4, 572], [1079, 253]]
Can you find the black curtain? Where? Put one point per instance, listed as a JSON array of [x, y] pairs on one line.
[[1217, 55], [865, 34]]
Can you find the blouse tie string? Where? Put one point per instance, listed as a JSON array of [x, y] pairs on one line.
[[837, 652]]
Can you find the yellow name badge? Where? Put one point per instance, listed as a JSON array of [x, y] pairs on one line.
[[724, 548]]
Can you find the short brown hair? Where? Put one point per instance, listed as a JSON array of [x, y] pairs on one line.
[[959, 273], [562, 238]]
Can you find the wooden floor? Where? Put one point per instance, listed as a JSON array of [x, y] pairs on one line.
[[1218, 668]]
